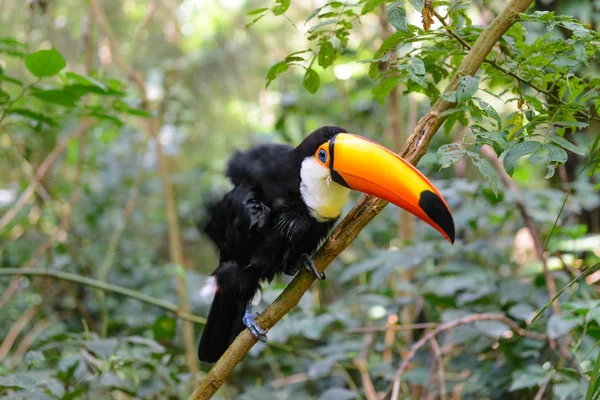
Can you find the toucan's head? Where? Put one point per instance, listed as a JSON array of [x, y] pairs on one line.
[[334, 161]]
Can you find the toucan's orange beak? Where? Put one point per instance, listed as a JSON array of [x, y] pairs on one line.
[[368, 167]]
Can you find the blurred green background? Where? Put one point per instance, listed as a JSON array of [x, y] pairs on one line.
[[191, 76]]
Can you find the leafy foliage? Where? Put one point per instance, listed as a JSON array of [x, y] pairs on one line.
[[534, 103]]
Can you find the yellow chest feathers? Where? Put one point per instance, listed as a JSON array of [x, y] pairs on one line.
[[324, 198]]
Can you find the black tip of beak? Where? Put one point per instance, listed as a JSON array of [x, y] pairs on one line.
[[435, 209]]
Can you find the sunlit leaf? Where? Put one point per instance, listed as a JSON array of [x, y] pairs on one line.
[[281, 6], [521, 149], [275, 70], [371, 4], [257, 11], [326, 54], [311, 81], [467, 86], [564, 143], [417, 4], [45, 63], [397, 16], [58, 97]]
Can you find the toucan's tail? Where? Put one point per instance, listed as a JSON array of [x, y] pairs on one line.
[[222, 327]]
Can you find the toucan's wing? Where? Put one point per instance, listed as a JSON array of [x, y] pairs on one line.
[[268, 168], [235, 220]]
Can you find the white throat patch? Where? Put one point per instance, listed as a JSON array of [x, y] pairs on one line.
[[324, 198]]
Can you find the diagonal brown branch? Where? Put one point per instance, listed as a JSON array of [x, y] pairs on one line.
[[366, 209]]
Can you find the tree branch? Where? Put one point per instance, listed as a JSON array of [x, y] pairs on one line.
[[364, 211], [107, 287], [451, 325]]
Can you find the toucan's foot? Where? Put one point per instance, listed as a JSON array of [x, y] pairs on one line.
[[249, 320], [310, 267]]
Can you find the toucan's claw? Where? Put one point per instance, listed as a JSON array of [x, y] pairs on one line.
[[249, 319], [310, 267]]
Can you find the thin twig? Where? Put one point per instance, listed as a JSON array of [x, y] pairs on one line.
[[506, 71], [489, 153], [108, 287], [41, 172], [451, 325], [361, 364], [437, 352], [64, 224], [386, 328], [543, 386], [31, 336], [16, 329]]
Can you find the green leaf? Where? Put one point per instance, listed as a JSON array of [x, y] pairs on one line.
[[321, 24], [519, 150], [559, 326], [313, 14], [417, 4], [492, 138], [4, 97], [45, 63], [164, 328], [33, 115], [311, 81], [57, 97], [103, 348], [549, 154], [257, 11], [531, 376], [390, 42], [281, 6], [370, 5], [454, 110], [486, 170], [416, 71], [327, 54], [594, 385], [489, 111], [275, 70], [575, 124], [397, 16], [467, 86], [450, 154], [564, 143], [384, 87]]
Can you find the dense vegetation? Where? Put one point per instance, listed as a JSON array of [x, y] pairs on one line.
[[117, 118]]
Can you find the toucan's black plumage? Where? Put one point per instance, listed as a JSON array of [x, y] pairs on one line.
[[284, 202]]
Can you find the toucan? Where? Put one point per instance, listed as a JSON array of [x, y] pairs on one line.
[[284, 203]]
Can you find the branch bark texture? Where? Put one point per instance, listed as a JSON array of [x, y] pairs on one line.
[[365, 210]]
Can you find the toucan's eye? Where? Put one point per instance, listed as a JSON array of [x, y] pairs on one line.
[[322, 156]]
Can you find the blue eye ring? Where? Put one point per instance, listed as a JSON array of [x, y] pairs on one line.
[[322, 156]]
